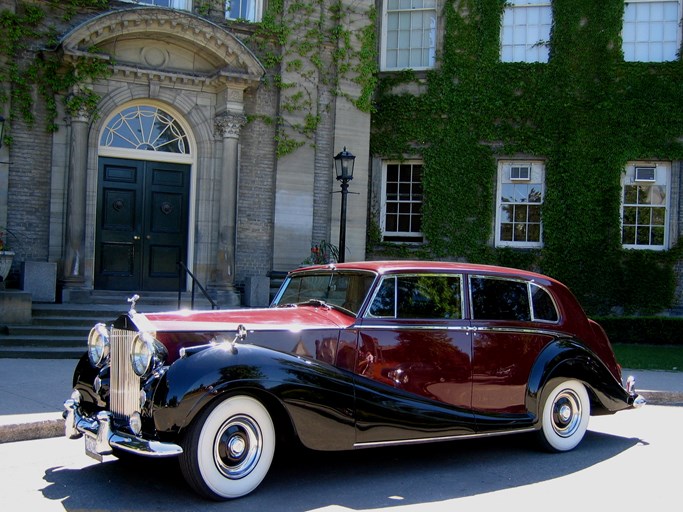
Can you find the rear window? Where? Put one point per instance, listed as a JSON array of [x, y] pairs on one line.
[[499, 299], [494, 298]]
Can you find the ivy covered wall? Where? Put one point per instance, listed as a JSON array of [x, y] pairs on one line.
[[586, 113]]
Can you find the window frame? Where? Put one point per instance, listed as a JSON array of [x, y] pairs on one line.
[[385, 36], [258, 11], [181, 5], [510, 8], [406, 237], [536, 169], [635, 43], [663, 177]]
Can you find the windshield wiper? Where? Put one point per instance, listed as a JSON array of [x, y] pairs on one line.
[[318, 303]]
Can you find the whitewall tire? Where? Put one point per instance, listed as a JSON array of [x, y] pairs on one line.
[[564, 417], [229, 448]]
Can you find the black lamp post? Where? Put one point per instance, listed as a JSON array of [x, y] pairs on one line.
[[343, 167], [2, 129]]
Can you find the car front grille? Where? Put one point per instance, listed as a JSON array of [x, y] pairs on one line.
[[124, 392]]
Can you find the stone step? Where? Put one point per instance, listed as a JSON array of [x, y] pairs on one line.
[[61, 330]]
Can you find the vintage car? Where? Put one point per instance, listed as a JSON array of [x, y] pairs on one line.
[[349, 355]]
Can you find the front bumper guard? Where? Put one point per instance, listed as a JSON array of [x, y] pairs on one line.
[[101, 439], [635, 400]]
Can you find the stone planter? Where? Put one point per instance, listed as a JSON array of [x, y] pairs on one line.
[[6, 258]]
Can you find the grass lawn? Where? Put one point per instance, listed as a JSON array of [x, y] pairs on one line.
[[649, 357]]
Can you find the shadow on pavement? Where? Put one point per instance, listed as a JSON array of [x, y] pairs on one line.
[[363, 479]]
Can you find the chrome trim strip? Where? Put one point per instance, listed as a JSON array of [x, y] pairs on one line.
[[444, 438], [513, 330]]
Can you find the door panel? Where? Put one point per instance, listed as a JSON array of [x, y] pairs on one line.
[[117, 265], [165, 239], [142, 224]]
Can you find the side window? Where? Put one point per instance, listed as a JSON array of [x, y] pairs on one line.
[[544, 307], [429, 297], [419, 297], [499, 299], [383, 305]]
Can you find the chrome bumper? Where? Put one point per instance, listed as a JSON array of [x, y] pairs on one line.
[[638, 400], [100, 439]]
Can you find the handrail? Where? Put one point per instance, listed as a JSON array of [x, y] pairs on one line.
[[195, 281]]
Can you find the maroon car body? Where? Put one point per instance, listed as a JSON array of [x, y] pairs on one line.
[[348, 355]]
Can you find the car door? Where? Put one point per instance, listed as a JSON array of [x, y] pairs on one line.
[[412, 366], [509, 333]]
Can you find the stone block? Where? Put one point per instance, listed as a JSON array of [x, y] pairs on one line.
[[40, 279], [256, 292], [15, 307]]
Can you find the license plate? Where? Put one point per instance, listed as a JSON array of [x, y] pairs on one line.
[[90, 448]]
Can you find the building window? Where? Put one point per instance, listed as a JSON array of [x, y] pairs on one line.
[[519, 203], [409, 34], [651, 31], [145, 128], [184, 5], [645, 206], [249, 10], [402, 202], [525, 31]]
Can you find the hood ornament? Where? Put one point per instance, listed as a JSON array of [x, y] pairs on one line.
[[133, 300]]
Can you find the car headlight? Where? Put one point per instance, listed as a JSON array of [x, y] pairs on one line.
[[146, 352], [98, 344]]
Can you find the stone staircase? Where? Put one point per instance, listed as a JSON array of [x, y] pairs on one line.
[[60, 331]]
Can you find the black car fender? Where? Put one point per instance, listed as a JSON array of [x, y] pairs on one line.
[[568, 358], [315, 399]]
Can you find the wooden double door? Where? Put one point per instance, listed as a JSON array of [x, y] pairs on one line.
[[142, 224]]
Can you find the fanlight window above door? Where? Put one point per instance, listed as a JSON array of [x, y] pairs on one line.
[[145, 128]]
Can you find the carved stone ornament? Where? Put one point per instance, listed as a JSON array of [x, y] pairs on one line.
[[229, 124]]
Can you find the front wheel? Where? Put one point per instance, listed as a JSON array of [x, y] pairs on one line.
[[229, 448], [565, 415]]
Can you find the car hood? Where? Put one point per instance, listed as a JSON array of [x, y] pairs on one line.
[[293, 318]]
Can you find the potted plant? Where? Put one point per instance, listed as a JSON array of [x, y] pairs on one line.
[[6, 255]]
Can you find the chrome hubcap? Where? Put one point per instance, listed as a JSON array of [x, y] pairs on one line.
[[238, 447], [566, 415]]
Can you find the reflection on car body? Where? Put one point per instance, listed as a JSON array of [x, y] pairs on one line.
[[348, 355]]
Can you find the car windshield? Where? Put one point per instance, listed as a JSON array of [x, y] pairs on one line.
[[342, 289]]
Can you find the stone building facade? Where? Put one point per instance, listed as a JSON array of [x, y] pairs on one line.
[[179, 159]]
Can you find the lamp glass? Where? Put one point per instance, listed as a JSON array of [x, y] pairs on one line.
[[343, 164]]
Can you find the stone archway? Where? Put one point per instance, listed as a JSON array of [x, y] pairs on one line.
[[181, 60]]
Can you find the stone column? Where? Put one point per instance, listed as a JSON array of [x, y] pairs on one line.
[[74, 255], [228, 125]]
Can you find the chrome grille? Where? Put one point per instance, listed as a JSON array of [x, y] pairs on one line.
[[124, 392]]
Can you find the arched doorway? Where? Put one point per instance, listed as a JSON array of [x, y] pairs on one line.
[[143, 200]]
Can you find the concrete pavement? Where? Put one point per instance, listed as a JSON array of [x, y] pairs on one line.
[[32, 392]]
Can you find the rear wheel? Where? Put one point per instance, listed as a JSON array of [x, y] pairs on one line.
[[229, 448], [564, 418]]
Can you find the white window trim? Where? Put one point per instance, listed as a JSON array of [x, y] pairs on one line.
[[537, 166], [383, 46], [662, 169], [679, 34], [418, 236]]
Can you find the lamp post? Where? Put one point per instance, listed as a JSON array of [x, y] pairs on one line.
[[2, 129], [343, 167]]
